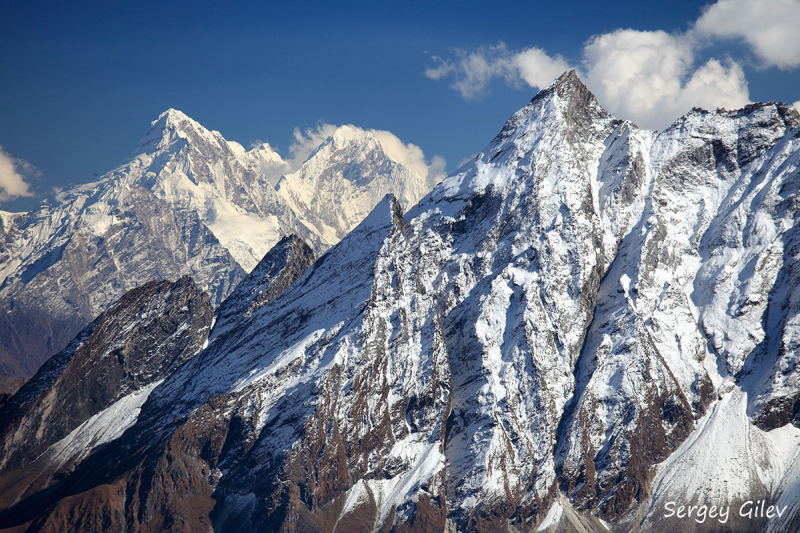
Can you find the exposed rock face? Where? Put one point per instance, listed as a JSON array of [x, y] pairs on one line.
[[9, 387], [90, 392], [278, 269], [66, 274], [586, 322]]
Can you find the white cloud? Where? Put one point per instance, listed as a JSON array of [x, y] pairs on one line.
[[770, 27], [649, 77], [537, 68], [646, 76], [473, 71], [12, 181], [796, 105], [715, 85]]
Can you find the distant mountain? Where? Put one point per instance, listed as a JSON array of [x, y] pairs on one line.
[[187, 202], [583, 324], [197, 170], [343, 180]]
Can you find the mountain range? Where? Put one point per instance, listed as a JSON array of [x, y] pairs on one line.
[[583, 327], [187, 202]]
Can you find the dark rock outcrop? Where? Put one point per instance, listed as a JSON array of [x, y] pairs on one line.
[[107, 372]]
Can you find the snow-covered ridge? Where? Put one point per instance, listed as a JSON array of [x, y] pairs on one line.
[[557, 302]]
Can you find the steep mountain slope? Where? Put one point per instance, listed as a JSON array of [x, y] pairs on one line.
[[90, 392], [584, 323], [343, 180], [278, 269], [67, 261], [187, 202]]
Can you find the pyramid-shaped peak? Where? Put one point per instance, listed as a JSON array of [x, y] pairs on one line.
[[172, 114], [176, 120], [170, 126], [568, 87], [570, 78], [345, 138], [567, 100]]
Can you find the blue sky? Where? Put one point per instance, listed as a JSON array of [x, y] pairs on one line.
[[82, 81]]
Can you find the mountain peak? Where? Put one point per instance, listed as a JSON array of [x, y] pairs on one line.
[[346, 139], [347, 135], [169, 126], [174, 120], [570, 88], [569, 78], [567, 98], [172, 115]]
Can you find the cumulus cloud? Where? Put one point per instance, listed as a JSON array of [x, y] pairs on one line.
[[770, 27], [796, 105], [408, 154], [411, 155], [649, 77], [473, 71], [12, 177], [537, 68]]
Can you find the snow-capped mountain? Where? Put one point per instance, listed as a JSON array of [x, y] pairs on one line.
[[187, 202], [197, 170], [583, 324], [343, 180]]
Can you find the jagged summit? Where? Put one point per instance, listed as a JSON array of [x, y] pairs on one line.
[[173, 126], [568, 83], [173, 115], [346, 135], [565, 103], [344, 178], [346, 145], [558, 120]]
